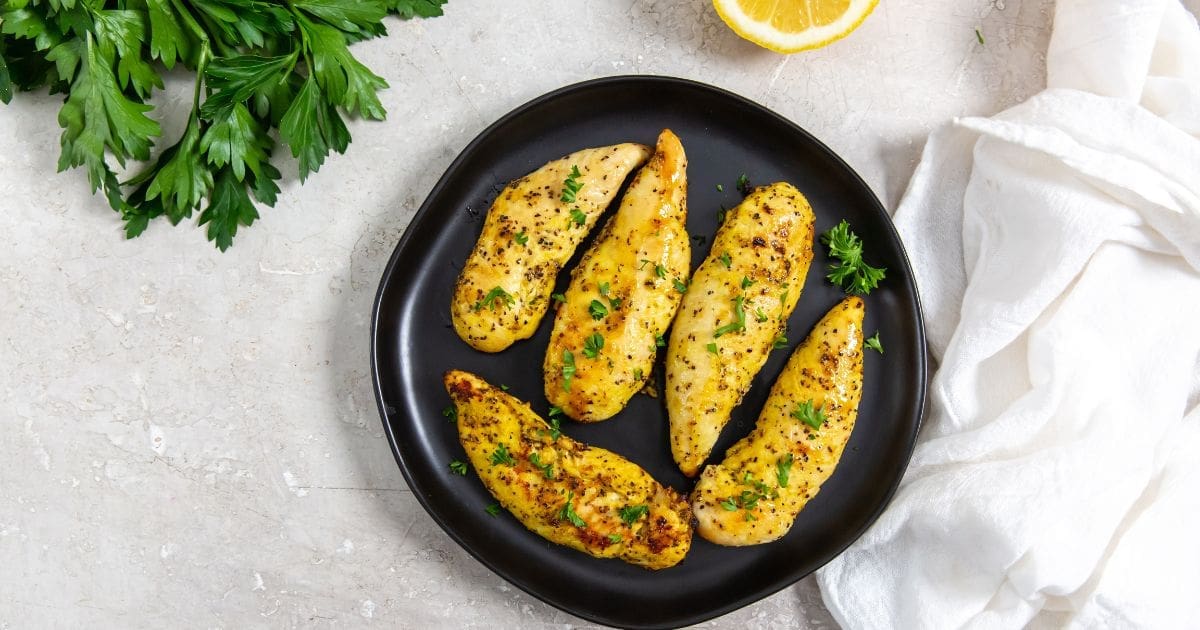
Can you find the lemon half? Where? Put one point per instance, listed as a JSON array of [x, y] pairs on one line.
[[789, 26]]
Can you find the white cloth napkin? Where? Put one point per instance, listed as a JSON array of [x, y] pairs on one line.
[[1057, 251]]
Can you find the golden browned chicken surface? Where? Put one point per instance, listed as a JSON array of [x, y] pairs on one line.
[[569, 493], [733, 314], [769, 476], [623, 294], [531, 231]]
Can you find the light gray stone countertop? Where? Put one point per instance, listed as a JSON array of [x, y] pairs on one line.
[[189, 439]]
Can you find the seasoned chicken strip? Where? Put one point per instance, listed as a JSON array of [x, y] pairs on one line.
[[530, 232], [583, 497], [623, 294], [768, 477], [740, 299]]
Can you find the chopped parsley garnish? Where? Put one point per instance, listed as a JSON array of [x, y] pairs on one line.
[[567, 513], [644, 261], [721, 214], [502, 456], [979, 36], [571, 185], [659, 342], [851, 273], [720, 188], [680, 285], [738, 325], [568, 369], [660, 271], [592, 345], [729, 504], [711, 347], [805, 413], [555, 428], [451, 413], [503, 387], [577, 216], [492, 509], [783, 468], [743, 184], [616, 538], [726, 260], [747, 282], [547, 469], [780, 341], [458, 467], [783, 299], [558, 297], [597, 309], [521, 237], [637, 374], [631, 513], [760, 315], [603, 288], [489, 300], [874, 343]]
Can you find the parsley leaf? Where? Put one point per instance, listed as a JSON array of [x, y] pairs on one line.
[[492, 509], [558, 297], [494, 295], [597, 309], [451, 413], [555, 429], [747, 282], [780, 341], [851, 273], [631, 513], [874, 343], [567, 513], [712, 347], [680, 285], [568, 369], [578, 217], [547, 469], [637, 374], [458, 467], [805, 413], [616, 538], [783, 468], [760, 315], [502, 456], [739, 324], [571, 186], [659, 342], [592, 345], [743, 184], [521, 238], [726, 260]]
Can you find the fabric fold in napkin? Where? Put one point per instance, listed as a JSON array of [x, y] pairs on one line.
[[1057, 252]]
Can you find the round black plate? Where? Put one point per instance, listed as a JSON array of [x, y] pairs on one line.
[[413, 345]]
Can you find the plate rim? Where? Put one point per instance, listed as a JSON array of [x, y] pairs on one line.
[[423, 215]]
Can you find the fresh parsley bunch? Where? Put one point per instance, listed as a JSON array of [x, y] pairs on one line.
[[260, 65]]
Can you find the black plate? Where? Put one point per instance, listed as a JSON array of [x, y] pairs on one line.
[[413, 344]]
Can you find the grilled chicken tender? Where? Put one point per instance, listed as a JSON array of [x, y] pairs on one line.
[[739, 301], [529, 234], [623, 294], [767, 478], [583, 497]]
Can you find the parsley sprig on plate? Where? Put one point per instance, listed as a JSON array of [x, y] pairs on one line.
[[259, 66], [851, 272]]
